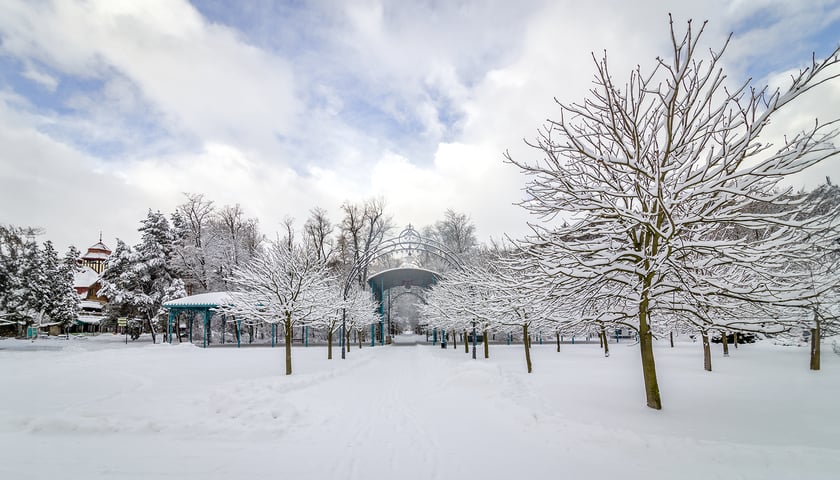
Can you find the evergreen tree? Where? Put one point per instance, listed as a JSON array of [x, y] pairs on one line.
[[117, 280], [67, 304], [18, 271], [137, 282]]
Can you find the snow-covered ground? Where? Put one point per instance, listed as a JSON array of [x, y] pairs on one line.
[[96, 408]]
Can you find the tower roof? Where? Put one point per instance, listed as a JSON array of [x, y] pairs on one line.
[[97, 251]]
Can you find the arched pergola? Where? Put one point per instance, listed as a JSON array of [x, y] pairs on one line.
[[401, 277], [410, 242]]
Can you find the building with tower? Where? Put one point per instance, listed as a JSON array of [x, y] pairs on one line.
[[87, 285]]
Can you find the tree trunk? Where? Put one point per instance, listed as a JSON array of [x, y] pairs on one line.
[[735, 339], [329, 344], [725, 342], [558, 342], [454, 340], [646, 346], [707, 351], [152, 329], [672, 339], [288, 333], [486, 345], [815, 344], [359, 336], [606, 343], [466, 343], [527, 346]]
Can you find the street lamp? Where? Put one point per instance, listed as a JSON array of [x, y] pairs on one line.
[[473, 322]]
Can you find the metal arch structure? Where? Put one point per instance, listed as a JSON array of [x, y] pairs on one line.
[[408, 241], [413, 293]]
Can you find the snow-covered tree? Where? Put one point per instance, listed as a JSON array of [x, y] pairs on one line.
[[238, 239], [19, 272], [280, 285], [817, 276], [444, 309], [68, 301], [195, 241], [646, 173], [35, 284], [52, 288], [137, 281], [361, 312], [328, 316], [520, 306]]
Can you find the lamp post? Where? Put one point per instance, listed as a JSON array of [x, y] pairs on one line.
[[343, 330], [473, 322]]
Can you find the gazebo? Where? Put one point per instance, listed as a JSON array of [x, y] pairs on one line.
[[204, 305], [406, 277]]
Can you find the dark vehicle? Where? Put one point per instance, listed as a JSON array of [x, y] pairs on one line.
[[133, 329], [742, 338]]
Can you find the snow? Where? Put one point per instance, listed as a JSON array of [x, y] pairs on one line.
[[210, 299], [92, 319], [96, 256], [95, 408], [99, 246], [85, 277], [91, 304]]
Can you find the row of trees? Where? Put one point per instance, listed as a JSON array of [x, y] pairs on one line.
[[294, 284], [210, 243], [296, 280], [36, 285], [661, 211]]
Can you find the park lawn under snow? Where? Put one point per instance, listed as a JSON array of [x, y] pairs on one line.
[[95, 408]]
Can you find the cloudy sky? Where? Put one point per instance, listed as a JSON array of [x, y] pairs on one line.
[[109, 108]]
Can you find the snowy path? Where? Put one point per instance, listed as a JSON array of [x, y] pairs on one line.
[[414, 412]]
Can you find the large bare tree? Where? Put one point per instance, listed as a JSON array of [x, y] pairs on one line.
[[647, 172]]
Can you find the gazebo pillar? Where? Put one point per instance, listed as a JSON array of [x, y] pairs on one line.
[[207, 332], [172, 316]]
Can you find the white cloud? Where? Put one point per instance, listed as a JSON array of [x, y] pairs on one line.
[[47, 184], [202, 77], [47, 81], [459, 82]]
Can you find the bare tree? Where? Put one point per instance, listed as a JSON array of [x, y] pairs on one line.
[[647, 173], [238, 239], [288, 238], [318, 230], [194, 236], [377, 225], [362, 229], [456, 231], [350, 231]]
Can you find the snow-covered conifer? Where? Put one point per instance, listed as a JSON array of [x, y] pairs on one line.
[[137, 281]]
